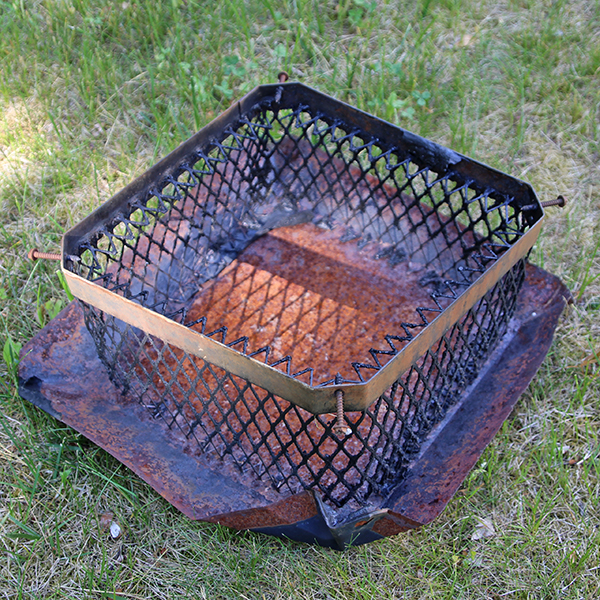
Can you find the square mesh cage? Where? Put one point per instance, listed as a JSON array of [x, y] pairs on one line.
[[294, 249]]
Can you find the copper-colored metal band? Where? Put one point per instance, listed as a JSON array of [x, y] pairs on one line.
[[316, 400]]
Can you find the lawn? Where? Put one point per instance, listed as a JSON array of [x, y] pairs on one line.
[[93, 93]]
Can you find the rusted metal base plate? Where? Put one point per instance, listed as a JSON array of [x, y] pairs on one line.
[[61, 373], [305, 294]]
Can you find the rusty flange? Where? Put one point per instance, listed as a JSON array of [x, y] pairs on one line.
[[61, 373]]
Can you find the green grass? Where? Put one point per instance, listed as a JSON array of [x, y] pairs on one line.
[[93, 93]]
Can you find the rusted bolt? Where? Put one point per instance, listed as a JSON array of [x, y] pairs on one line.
[[282, 77], [35, 254], [340, 427], [560, 201]]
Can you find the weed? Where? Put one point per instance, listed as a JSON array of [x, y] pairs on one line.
[[10, 354]]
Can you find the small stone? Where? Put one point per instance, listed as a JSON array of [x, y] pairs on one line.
[[115, 531]]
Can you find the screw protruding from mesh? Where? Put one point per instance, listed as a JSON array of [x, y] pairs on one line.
[[340, 428], [560, 201], [282, 77], [35, 254]]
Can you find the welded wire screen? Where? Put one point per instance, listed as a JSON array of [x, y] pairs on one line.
[[362, 204]]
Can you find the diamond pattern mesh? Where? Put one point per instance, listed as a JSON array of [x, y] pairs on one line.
[[274, 440], [284, 167]]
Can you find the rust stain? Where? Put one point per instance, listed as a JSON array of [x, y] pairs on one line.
[[305, 294]]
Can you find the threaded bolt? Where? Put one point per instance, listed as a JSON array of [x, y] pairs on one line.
[[340, 427], [560, 201], [35, 254]]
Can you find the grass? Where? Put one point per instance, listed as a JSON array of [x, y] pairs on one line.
[[93, 93]]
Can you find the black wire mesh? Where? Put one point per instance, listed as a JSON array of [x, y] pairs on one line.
[[289, 167], [268, 438], [280, 167]]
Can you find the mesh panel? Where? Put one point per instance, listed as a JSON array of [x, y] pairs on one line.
[[291, 167], [301, 179], [286, 445]]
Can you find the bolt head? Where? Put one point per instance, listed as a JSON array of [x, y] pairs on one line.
[[342, 430]]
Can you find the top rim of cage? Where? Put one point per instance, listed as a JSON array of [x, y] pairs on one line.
[[424, 153]]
